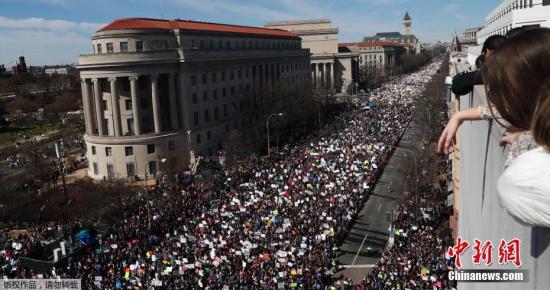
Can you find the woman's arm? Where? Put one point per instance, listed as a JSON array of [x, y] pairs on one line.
[[448, 137]]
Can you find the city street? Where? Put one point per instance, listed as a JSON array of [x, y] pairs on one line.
[[369, 234]]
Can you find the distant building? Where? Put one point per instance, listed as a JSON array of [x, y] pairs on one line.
[[515, 13], [155, 90], [376, 55], [36, 70], [406, 37], [59, 69], [469, 36], [330, 68]]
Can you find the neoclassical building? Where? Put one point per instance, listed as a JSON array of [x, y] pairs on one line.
[[330, 69], [375, 55], [406, 37], [154, 90]]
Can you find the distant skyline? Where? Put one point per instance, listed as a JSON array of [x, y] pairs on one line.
[[49, 32]]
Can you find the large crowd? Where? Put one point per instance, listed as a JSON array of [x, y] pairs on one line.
[[417, 259], [273, 223]]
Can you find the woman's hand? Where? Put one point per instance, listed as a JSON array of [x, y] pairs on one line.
[[448, 137], [509, 137]]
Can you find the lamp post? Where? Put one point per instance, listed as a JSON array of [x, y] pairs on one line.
[[415, 167], [267, 126], [60, 152]]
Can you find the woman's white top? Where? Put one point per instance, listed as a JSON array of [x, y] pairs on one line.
[[524, 188]]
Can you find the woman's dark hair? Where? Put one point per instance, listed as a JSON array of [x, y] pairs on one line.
[[479, 61], [494, 42], [518, 82]]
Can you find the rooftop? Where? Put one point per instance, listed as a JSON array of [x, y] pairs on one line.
[[162, 24], [370, 44], [295, 22]]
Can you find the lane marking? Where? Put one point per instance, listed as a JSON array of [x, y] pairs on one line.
[[379, 206], [359, 250]]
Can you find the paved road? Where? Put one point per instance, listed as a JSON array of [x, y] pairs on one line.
[[371, 226]]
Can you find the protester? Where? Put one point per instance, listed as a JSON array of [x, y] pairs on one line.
[[463, 83]]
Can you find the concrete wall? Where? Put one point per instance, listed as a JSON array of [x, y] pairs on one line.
[[480, 215]]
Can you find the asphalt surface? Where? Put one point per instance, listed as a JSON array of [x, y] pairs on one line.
[[370, 232]]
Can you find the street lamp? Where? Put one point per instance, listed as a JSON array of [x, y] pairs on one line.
[[267, 126]]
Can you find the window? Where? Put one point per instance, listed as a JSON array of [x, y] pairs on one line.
[[99, 48], [93, 150], [108, 151], [226, 128], [545, 2], [224, 91], [198, 138], [203, 78], [193, 80], [208, 135], [128, 104], [205, 96], [224, 110], [139, 45], [130, 125], [232, 91], [124, 46], [130, 169], [206, 116], [196, 118], [239, 74], [216, 113], [153, 167], [96, 168], [215, 94], [231, 75], [223, 76], [214, 77], [151, 148], [171, 145], [110, 171], [109, 47], [129, 150], [194, 98]]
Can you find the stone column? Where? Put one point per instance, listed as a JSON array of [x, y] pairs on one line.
[[99, 110], [115, 108], [315, 82], [156, 103], [331, 75], [322, 83], [173, 101], [86, 107], [135, 105]]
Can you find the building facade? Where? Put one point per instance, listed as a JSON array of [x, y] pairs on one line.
[[330, 69], [515, 13], [59, 69], [375, 55], [406, 37], [155, 90]]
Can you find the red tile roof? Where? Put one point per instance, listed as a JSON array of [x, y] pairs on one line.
[[146, 23], [371, 44]]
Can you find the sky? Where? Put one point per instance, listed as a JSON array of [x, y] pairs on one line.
[[49, 32]]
